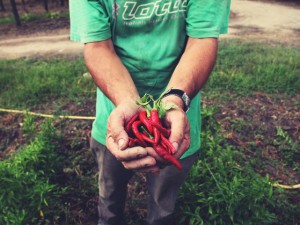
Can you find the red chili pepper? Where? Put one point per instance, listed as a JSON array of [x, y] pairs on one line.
[[163, 130], [137, 133], [163, 144], [145, 120], [156, 134], [130, 122], [131, 142], [154, 117], [168, 143], [164, 154], [147, 139]]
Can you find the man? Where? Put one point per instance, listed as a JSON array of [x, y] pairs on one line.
[[133, 47]]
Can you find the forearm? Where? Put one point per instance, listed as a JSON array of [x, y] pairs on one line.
[[109, 73], [195, 65]]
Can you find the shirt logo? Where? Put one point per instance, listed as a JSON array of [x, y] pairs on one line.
[[144, 11]]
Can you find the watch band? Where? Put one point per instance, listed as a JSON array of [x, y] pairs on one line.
[[181, 94]]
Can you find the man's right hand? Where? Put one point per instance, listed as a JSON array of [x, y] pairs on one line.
[[135, 158]]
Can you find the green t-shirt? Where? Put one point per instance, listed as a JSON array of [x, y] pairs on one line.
[[149, 36]]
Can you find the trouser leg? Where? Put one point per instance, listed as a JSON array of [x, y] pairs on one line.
[[163, 190], [113, 180]]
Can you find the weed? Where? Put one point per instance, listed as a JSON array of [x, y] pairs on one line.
[[288, 148], [45, 182], [29, 127], [28, 193]]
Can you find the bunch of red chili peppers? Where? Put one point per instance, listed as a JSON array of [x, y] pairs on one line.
[[146, 129]]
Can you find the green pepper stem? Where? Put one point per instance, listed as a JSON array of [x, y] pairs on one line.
[[149, 135]]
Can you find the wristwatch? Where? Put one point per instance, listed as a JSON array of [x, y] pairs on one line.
[[181, 94]]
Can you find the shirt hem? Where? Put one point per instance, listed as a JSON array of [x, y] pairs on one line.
[[210, 34]]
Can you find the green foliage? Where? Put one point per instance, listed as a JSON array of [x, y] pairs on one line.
[[222, 189], [29, 126], [286, 206], [28, 191], [56, 15], [7, 20], [27, 17], [288, 147]]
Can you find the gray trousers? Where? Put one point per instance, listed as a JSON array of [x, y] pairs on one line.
[[113, 180]]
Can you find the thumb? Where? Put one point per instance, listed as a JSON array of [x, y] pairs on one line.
[[119, 138], [175, 138], [116, 131], [177, 133], [121, 143], [179, 130]]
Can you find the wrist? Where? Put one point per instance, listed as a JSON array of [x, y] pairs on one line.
[[174, 100], [181, 97]]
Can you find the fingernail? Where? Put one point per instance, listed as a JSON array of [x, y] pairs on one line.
[[139, 156], [121, 143], [175, 144]]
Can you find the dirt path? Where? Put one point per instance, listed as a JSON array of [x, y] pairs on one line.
[[265, 21], [249, 19], [39, 46]]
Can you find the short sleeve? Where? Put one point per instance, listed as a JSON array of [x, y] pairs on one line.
[[207, 18], [89, 21]]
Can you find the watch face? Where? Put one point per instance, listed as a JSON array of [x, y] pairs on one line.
[[186, 99]]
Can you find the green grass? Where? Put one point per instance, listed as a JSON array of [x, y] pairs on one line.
[[248, 67], [30, 82], [241, 67]]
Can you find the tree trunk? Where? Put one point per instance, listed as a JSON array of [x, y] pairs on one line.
[[46, 5], [15, 12], [2, 8]]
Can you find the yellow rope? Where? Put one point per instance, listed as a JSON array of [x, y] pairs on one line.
[[47, 115], [296, 186], [92, 118]]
